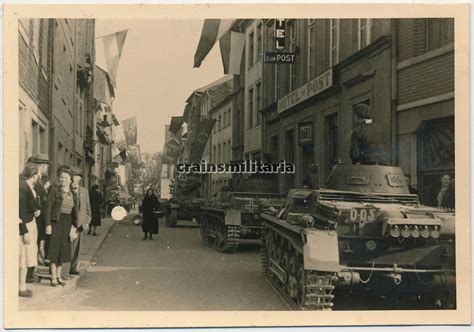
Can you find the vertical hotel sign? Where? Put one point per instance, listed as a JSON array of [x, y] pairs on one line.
[[306, 91], [279, 34]]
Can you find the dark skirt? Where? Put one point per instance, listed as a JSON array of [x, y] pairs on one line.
[[150, 223], [59, 248]]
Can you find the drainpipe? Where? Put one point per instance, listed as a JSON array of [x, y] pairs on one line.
[[394, 125], [51, 74]]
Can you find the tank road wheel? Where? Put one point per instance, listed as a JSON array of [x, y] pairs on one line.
[[172, 218], [301, 283], [292, 277]]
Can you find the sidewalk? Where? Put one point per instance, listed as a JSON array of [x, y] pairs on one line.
[[90, 245]]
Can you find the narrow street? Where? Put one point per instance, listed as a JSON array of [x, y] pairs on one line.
[[174, 271]]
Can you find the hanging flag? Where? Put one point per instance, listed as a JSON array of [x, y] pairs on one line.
[[212, 31], [176, 123], [199, 139], [130, 130], [232, 47], [108, 51], [173, 147]]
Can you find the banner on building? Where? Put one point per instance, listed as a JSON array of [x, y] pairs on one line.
[[212, 31], [305, 133], [199, 139], [176, 123], [108, 51], [173, 146], [232, 46], [130, 130]]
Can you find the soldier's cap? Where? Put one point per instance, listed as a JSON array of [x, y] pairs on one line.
[[362, 111], [40, 158], [76, 171]]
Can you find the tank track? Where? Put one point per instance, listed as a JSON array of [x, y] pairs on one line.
[[305, 290], [225, 238]]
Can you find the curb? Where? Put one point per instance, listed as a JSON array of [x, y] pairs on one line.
[[43, 292]]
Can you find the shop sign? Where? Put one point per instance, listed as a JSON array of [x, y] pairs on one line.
[[305, 133], [306, 91], [280, 34], [274, 57]]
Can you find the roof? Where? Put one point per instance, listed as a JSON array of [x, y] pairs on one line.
[[210, 85]]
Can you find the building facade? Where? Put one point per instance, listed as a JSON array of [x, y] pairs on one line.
[[307, 105], [58, 103], [425, 102], [220, 143], [34, 86]]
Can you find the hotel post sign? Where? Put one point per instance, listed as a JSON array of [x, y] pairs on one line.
[[306, 91]]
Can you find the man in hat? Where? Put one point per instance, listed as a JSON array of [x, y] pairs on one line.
[[367, 140], [83, 220], [41, 161]]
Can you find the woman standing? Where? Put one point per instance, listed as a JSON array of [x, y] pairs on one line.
[[61, 216], [445, 181], [149, 205], [96, 203], [29, 207]]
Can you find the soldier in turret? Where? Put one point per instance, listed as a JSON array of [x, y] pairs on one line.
[[367, 140]]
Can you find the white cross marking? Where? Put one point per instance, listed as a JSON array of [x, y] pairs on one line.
[[250, 207]]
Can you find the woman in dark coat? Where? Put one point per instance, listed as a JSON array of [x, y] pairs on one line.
[[149, 205], [96, 203]]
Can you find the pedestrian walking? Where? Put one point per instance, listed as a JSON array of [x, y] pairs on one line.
[[42, 162], [367, 140], [150, 205], [61, 218], [29, 210], [96, 202], [83, 221]]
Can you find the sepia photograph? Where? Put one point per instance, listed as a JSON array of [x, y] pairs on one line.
[[180, 162]]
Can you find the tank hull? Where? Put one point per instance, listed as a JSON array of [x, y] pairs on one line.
[[364, 232]]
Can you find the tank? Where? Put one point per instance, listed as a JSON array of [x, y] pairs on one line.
[[363, 233], [235, 215], [185, 202]]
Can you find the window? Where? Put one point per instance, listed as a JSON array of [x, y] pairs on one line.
[[219, 122], [214, 127], [363, 35], [259, 42], [43, 138], [311, 49], [292, 47], [214, 154], [251, 109], [229, 116], [439, 32], [225, 118], [332, 141], [274, 149], [224, 152], [34, 137], [334, 42], [229, 152], [45, 46], [259, 102], [61, 155], [36, 39], [251, 48], [219, 153]]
